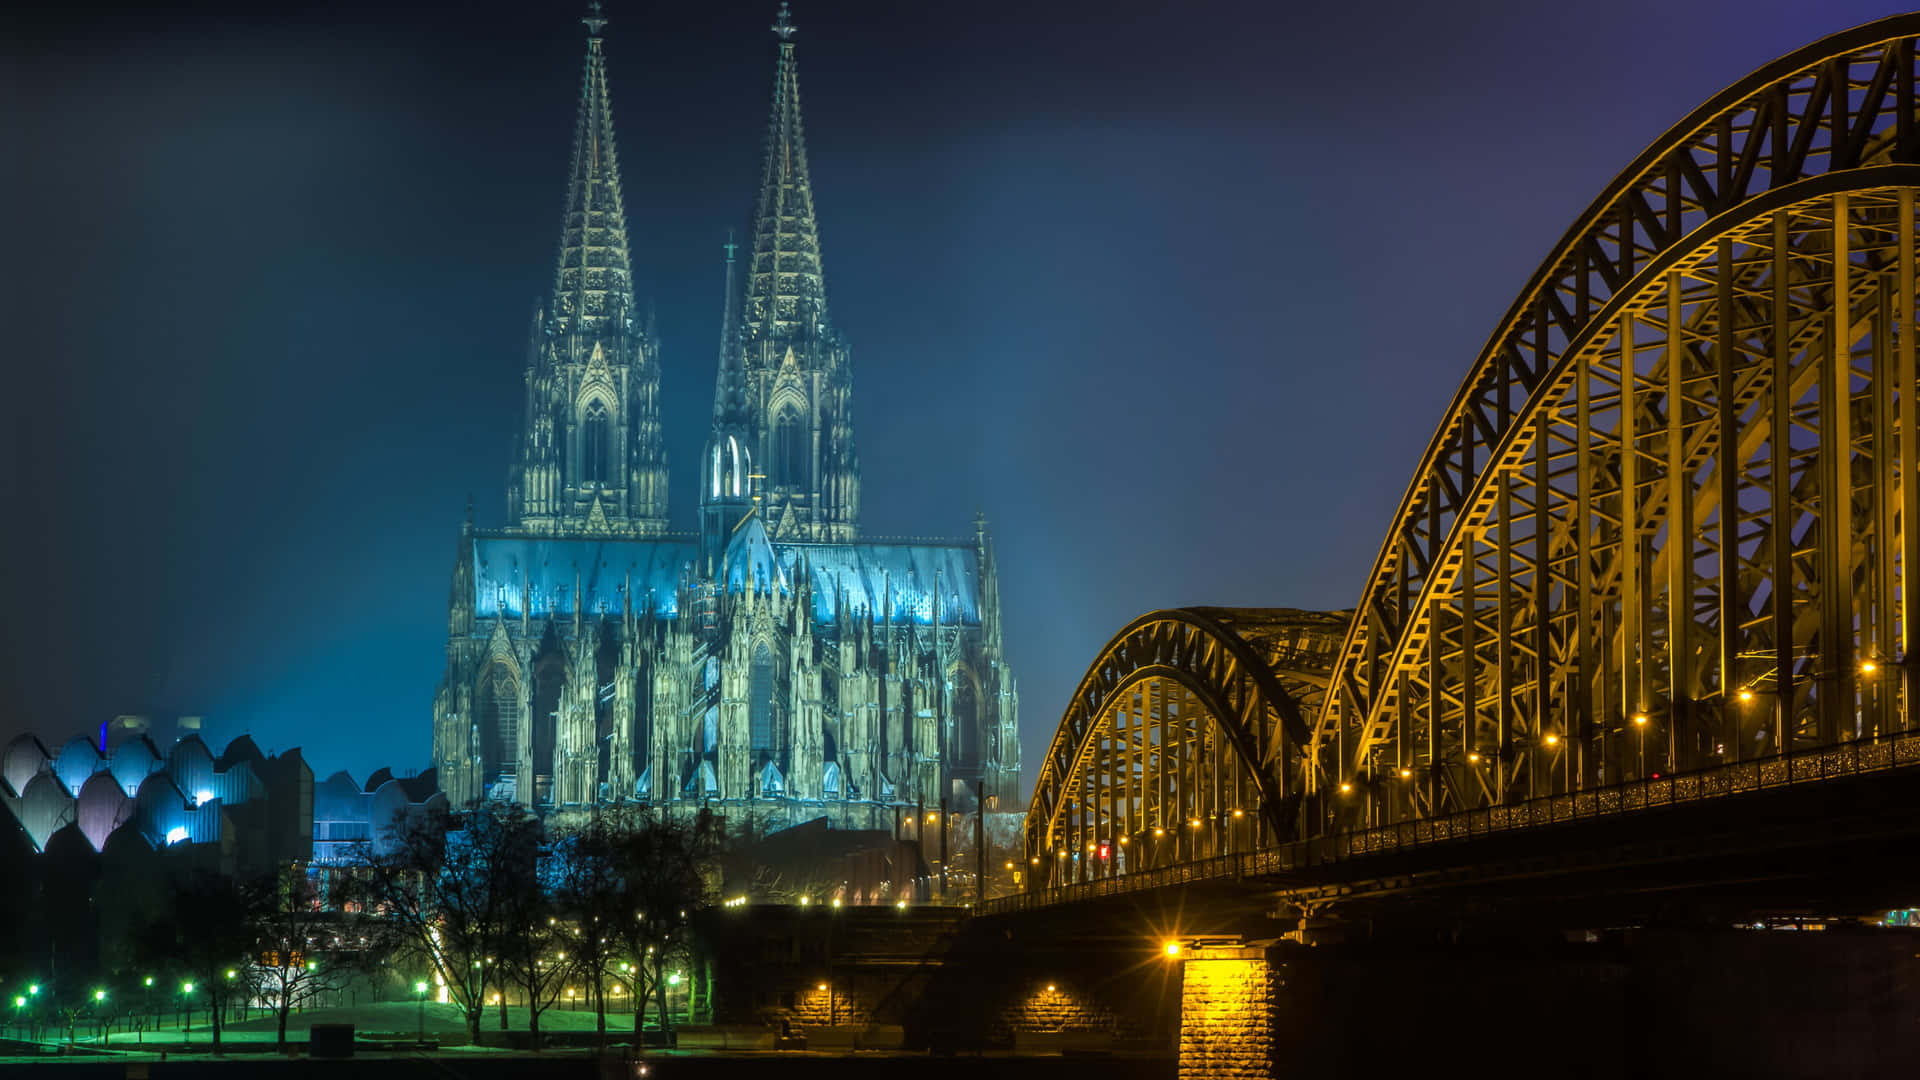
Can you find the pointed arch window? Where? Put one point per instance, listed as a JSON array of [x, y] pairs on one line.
[[760, 703], [789, 450], [594, 445], [497, 712]]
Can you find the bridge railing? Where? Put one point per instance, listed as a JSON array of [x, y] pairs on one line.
[[1899, 750]]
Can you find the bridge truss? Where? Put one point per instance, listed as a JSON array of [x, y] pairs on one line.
[[1664, 526]]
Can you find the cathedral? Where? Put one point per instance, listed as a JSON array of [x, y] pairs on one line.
[[776, 665]]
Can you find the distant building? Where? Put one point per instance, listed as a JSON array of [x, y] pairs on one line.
[[256, 811], [346, 814], [777, 666]]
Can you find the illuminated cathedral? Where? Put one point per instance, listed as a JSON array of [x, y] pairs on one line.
[[776, 663]]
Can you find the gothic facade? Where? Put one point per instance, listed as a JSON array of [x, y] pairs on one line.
[[773, 663]]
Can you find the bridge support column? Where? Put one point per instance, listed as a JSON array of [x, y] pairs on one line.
[[1229, 1012]]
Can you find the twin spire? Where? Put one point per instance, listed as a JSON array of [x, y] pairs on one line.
[[786, 290], [784, 283], [593, 444], [593, 283]]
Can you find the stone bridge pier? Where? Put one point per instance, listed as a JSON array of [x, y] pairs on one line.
[[1675, 1002]]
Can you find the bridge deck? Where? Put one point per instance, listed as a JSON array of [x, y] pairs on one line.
[[1301, 860]]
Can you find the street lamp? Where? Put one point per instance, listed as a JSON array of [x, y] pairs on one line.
[[186, 993], [420, 988]]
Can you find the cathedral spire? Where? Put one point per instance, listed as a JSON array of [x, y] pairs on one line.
[[786, 290], [729, 390], [592, 458], [592, 286]]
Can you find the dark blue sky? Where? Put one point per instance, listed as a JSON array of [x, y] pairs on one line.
[[1174, 292]]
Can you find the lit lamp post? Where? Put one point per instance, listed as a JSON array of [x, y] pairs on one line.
[[186, 995], [420, 989], [1640, 722], [99, 1003], [19, 1003], [140, 1032]]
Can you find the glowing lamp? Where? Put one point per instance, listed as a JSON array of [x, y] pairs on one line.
[[822, 986], [1237, 812], [673, 979], [99, 995], [1640, 718], [1344, 788], [1552, 739], [176, 834], [1473, 759], [1868, 667], [901, 904], [1746, 695], [1049, 988], [1171, 949], [1406, 774]]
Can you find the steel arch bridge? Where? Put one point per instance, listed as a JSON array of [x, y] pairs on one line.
[[1664, 529]]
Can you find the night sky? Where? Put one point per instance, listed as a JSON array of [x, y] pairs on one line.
[[1175, 293]]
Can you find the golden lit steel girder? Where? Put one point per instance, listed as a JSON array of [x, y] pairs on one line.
[[1710, 354]]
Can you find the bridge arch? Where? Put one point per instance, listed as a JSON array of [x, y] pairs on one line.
[[1670, 522], [1184, 739], [1663, 526]]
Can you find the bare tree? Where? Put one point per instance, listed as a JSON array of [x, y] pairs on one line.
[[659, 888], [533, 947], [586, 890], [444, 883], [290, 926], [207, 930]]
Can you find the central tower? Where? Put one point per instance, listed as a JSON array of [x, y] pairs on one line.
[[590, 459], [783, 398]]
